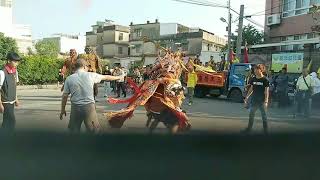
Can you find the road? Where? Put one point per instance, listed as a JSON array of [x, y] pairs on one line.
[[40, 109]]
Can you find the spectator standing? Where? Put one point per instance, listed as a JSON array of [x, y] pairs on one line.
[[282, 88], [8, 84], [191, 84], [121, 82], [106, 83], [259, 88], [304, 86]]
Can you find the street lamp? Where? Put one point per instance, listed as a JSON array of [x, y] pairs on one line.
[[223, 20]]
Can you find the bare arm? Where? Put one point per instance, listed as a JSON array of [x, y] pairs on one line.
[[266, 92], [249, 93], [110, 78]]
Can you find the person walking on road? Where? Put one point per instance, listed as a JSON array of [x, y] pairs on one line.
[[79, 86], [259, 92], [191, 84], [8, 83]]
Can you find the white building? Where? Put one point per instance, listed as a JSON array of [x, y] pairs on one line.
[[20, 32], [66, 42]]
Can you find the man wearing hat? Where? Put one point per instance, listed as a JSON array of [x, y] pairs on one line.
[[8, 82]]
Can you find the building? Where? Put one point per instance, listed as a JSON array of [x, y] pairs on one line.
[[192, 41], [66, 42], [20, 32], [6, 16], [110, 41], [291, 30]]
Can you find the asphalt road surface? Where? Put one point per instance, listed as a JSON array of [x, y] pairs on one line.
[[40, 109]]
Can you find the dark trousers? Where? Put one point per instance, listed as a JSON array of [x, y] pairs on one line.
[[253, 109], [303, 105], [190, 94], [9, 119], [84, 114], [282, 98], [121, 86]]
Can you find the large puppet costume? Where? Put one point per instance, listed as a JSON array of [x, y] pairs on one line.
[[161, 95]]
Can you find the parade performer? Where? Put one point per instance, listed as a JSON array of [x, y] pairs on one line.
[[68, 67], [94, 65], [161, 95], [69, 64]]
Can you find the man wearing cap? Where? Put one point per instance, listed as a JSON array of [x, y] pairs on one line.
[[8, 82], [80, 86]]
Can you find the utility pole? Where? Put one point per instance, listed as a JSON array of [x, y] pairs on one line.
[[239, 40], [229, 30]]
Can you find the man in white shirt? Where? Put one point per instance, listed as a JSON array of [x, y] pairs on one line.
[[121, 82], [79, 86], [8, 84], [304, 87]]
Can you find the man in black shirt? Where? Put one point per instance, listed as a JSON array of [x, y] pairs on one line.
[[259, 90]]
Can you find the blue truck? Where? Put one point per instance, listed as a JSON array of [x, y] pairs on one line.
[[230, 83]]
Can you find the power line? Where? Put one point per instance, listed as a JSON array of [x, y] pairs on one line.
[[216, 5], [201, 3]]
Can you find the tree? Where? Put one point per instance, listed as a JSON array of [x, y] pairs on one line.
[[7, 45], [251, 35], [47, 48]]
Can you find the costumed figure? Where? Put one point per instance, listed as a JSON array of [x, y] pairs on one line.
[[93, 64], [68, 67], [161, 95]]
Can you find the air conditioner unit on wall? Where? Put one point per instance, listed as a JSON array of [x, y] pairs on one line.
[[273, 19]]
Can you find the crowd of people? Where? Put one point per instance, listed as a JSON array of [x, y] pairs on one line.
[[302, 92], [161, 85]]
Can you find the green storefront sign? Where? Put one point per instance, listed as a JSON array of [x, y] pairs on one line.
[[293, 62]]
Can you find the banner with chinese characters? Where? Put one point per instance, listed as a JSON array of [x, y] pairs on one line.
[[292, 61]]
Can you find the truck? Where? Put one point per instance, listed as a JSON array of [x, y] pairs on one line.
[[230, 83]]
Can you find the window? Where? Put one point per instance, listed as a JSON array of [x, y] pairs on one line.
[[298, 47], [286, 48], [311, 35], [312, 2], [240, 71], [138, 32], [138, 49], [296, 7], [120, 50], [121, 37]]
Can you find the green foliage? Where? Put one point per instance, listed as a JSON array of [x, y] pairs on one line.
[[37, 69], [7, 45], [251, 35], [47, 48]]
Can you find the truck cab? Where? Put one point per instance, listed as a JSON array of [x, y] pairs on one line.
[[236, 81], [230, 83]]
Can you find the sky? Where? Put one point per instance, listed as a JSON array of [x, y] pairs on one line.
[[48, 17]]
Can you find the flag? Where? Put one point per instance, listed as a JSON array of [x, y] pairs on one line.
[[309, 66], [231, 56], [246, 55]]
